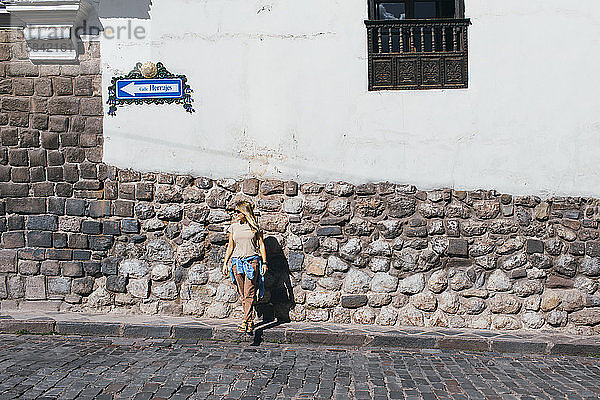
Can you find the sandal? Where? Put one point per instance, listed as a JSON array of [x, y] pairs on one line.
[[243, 327], [249, 327]]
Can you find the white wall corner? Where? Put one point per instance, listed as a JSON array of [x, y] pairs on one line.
[[52, 28]]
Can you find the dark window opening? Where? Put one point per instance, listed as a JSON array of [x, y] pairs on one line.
[[415, 9]]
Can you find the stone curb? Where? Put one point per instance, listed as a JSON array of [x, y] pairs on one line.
[[291, 335]]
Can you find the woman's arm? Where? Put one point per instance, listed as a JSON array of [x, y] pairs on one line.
[[228, 251], [263, 252]]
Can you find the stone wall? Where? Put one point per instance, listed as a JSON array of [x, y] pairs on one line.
[[80, 235]]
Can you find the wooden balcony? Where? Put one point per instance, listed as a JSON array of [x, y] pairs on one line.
[[418, 54]]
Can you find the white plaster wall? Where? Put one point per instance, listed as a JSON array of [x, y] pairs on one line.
[[282, 93]]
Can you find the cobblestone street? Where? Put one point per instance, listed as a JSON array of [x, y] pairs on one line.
[[70, 367]]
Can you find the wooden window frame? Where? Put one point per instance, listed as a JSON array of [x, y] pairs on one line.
[[417, 54]]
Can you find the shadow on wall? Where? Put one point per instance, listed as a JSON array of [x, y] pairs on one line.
[[124, 9], [135, 9], [139, 9], [277, 306]]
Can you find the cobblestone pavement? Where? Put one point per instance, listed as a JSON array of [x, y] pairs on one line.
[[73, 367]]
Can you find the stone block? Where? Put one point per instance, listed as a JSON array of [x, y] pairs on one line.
[[43, 189], [22, 69], [16, 222], [18, 157], [6, 85], [9, 136], [50, 141], [83, 86], [91, 106], [77, 241], [116, 284], [100, 243], [15, 104], [50, 268], [92, 268], [83, 286], [250, 186], [577, 248], [39, 105], [75, 207], [35, 288], [138, 288], [123, 208], [43, 87], [31, 254], [63, 106], [4, 177], [23, 86], [13, 240], [72, 268], [39, 121], [29, 138], [90, 67], [554, 281], [144, 191], [99, 209], [82, 255], [592, 249], [458, 247], [3, 288], [19, 119], [8, 261], [42, 222], [63, 86], [191, 332], [38, 174], [55, 158], [315, 265], [127, 191], [271, 187], [39, 239], [59, 254], [16, 287], [28, 267], [290, 188], [49, 70], [58, 124], [385, 283], [94, 154], [354, 301], [73, 299], [91, 184], [130, 226], [70, 139], [88, 328], [295, 261], [329, 231], [111, 227], [56, 206], [110, 265], [534, 246], [74, 155], [59, 285]]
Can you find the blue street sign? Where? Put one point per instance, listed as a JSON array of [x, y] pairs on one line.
[[149, 88]]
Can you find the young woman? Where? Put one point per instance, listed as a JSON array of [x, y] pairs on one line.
[[246, 260]]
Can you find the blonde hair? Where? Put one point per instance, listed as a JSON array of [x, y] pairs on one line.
[[247, 210]]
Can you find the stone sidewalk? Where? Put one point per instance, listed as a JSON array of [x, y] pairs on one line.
[[146, 326]]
